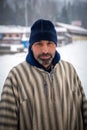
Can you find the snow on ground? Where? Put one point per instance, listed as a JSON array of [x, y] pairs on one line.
[[74, 53], [6, 63]]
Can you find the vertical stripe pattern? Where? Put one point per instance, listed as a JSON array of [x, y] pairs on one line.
[[33, 99]]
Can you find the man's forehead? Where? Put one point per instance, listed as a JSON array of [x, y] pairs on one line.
[[44, 41]]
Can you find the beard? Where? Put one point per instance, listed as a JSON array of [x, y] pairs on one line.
[[45, 61]]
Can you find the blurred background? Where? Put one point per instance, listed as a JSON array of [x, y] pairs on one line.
[[69, 18], [22, 12]]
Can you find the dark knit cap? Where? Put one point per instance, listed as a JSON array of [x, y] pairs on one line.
[[42, 30]]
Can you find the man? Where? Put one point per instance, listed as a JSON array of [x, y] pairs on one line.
[[43, 92]]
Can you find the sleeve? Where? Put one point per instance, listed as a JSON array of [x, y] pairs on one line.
[[8, 105], [84, 103], [83, 99], [84, 108]]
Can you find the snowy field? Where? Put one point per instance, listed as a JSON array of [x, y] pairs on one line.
[[75, 53]]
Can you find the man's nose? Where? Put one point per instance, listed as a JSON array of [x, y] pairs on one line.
[[45, 49]]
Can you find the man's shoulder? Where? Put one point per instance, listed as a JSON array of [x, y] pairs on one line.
[[65, 64], [19, 66], [22, 64]]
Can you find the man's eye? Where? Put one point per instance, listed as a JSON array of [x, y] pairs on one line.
[[50, 43], [39, 44]]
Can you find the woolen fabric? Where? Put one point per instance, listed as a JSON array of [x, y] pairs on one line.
[[33, 99], [42, 30]]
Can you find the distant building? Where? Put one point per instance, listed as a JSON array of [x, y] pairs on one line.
[[12, 34], [11, 39], [63, 36], [77, 23], [77, 33]]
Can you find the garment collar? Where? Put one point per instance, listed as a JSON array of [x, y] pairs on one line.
[[31, 60]]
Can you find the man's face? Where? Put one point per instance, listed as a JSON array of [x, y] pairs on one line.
[[44, 52]]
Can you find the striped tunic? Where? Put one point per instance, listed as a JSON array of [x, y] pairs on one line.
[[33, 99]]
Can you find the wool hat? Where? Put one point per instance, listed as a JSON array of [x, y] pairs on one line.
[[42, 30]]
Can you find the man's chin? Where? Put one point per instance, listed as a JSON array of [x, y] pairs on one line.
[[45, 62]]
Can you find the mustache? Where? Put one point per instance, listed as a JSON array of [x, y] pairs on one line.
[[45, 54]]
